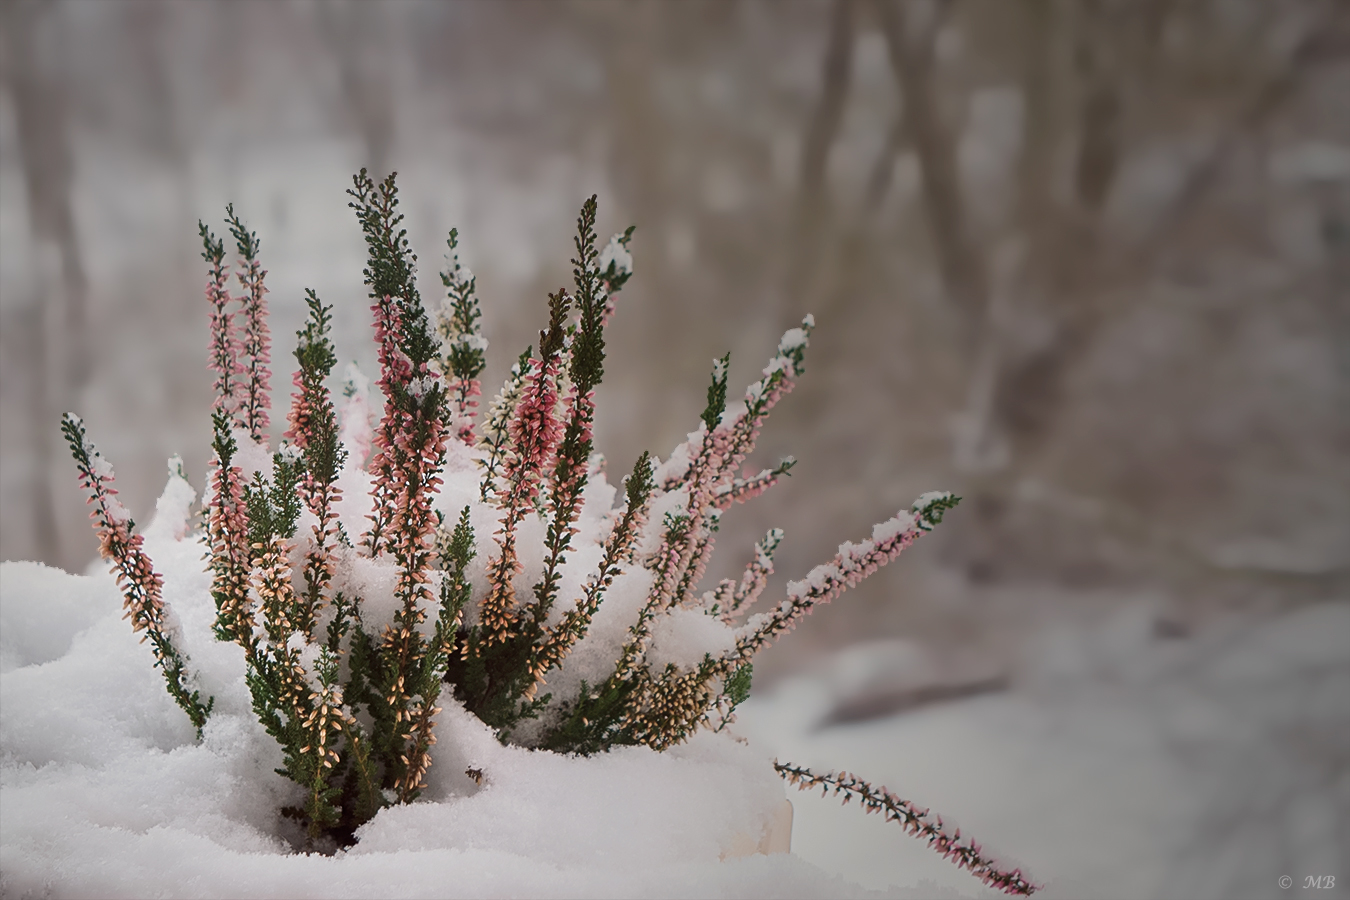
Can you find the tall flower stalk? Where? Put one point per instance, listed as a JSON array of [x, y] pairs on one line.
[[141, 586], [916, 821], [255, 397], [314, 432]]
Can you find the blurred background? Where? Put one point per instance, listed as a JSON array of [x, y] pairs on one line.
[[1084, 262]]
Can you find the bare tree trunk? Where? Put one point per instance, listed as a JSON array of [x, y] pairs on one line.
[[821, 132], [147, 21], [640, 154], [40, 111], [355, 33], [959, 261]]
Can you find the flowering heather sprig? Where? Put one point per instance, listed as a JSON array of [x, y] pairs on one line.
[[572, 458], [395, 375], [280, 687], [496, 427], [739, 490], [315, 763], [454, 554], [464, 348], [662, 562], [778, 379], [141, 586], [227, 533], [688, 531], [410, 448], [681, 561], [730, 596], [410, 442], [535, 431], [699, 481], [225, 349], [256, 395], [852, 564], [713, 455], [314, 432], [914, 820]]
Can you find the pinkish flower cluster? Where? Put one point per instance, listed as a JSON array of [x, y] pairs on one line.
[[395, 375], [225, 349], [534, 433], [227, 533], [915, 821], [409, 452], [256, 340], [239, 354], [852, 564], [705, 469], [314, 433]]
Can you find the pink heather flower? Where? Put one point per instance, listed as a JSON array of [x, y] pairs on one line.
[[852, 564], [915, 821], [225, 346], [257, 343]]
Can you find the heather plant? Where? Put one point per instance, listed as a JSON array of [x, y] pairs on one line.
[[491, 561]]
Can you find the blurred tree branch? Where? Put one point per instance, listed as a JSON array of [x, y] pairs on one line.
[[821, 131], [912, 60], [60, 356]]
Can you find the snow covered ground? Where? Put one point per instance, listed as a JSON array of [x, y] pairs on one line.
[[107, 794], [1118, 765]]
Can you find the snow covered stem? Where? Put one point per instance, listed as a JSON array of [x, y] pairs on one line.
[[914, 820], [141, 585], [852, 564]]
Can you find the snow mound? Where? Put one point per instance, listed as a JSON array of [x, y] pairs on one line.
[[106, 793]]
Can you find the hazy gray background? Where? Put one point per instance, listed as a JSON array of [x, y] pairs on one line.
[[1083, 262]]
